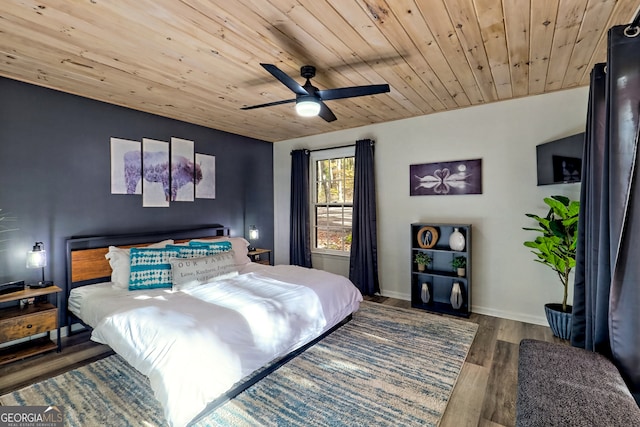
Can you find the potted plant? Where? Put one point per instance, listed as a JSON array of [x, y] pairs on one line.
[[459, 263], [422, 259], [555, 247]]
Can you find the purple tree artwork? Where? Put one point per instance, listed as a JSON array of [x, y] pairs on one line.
[[206, 187], [446, 178], [155, 173], [125, 167], [185, 173], [161, 172]]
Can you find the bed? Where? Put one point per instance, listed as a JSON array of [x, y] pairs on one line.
[[220, 326]]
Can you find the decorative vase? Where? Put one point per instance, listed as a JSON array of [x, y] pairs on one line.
[[559, 321], [456, 240], [456, 296], [424, 293]]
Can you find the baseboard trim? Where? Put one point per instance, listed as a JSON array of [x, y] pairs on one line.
[[536, 320]]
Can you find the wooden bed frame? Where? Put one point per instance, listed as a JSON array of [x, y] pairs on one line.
[[86, 264]]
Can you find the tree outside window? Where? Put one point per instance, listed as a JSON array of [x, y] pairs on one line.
[[333, 203]]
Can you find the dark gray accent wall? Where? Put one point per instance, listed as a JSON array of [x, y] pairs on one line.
[[55, 176]]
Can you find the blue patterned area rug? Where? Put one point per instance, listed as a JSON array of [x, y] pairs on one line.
[[387, 367]]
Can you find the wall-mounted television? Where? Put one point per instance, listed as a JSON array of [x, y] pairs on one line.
[[560, 161]]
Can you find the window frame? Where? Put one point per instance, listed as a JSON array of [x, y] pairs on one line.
[[314, 157]]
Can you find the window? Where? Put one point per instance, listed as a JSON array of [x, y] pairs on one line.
[[332, 173]]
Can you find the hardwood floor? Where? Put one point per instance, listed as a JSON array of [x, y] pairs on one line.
[[77, 351], [484, 396]]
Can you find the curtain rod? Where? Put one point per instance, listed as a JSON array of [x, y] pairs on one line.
[[335, 148], [332, 148]]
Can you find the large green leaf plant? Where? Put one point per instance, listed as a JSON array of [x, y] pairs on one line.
[[555, 246]]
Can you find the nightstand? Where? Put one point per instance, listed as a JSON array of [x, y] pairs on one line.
[[18, 322], [261, 256]]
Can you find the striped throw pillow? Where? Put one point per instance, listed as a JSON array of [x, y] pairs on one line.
[[150, 268]]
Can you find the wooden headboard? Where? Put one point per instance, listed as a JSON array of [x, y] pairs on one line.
[[86, 262]]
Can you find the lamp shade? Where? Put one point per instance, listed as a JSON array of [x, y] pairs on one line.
[[253, 232], [307, 106], [37, 257]]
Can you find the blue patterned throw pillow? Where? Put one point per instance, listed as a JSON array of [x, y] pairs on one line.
[[214, 247], [150, 268]]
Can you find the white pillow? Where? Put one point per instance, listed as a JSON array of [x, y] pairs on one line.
[[239, 245], [191, 272], [120, 262]]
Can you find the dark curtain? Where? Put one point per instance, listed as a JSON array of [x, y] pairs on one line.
[[590, 324], [608, 271], [363, 262], [300, 240]]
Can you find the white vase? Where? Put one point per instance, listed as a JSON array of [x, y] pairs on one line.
[[456, 240], [424, 293], [456, 296]]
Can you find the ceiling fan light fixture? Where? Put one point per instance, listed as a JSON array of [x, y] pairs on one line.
[[307, 106], [309, 100]]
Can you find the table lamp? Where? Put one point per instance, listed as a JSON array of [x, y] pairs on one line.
[[37, 258], [254, 234]]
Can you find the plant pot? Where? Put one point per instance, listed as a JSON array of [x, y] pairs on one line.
[[461, 271], [421, 267], [559, 321]]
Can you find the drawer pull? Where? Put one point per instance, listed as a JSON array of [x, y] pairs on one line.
[[29, 326]]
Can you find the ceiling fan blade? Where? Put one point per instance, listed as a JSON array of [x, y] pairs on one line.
[[326, 113], [352, 92], [285, 79], [269, 104]]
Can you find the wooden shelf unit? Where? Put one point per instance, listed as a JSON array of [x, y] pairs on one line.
[[439, 274]]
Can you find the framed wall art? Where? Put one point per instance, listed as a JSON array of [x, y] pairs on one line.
[[446, 178], [206, 186], [162, 172], [185, 173], [126, 167], [155, 173]]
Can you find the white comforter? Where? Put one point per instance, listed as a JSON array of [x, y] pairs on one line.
[[195, 345]]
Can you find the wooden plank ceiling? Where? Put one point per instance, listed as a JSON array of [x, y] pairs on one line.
[[198, 60]]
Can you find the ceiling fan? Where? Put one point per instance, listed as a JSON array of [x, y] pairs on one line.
[[309, 99]]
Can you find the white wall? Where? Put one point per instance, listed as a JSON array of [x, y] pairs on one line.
[[506, 281]]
